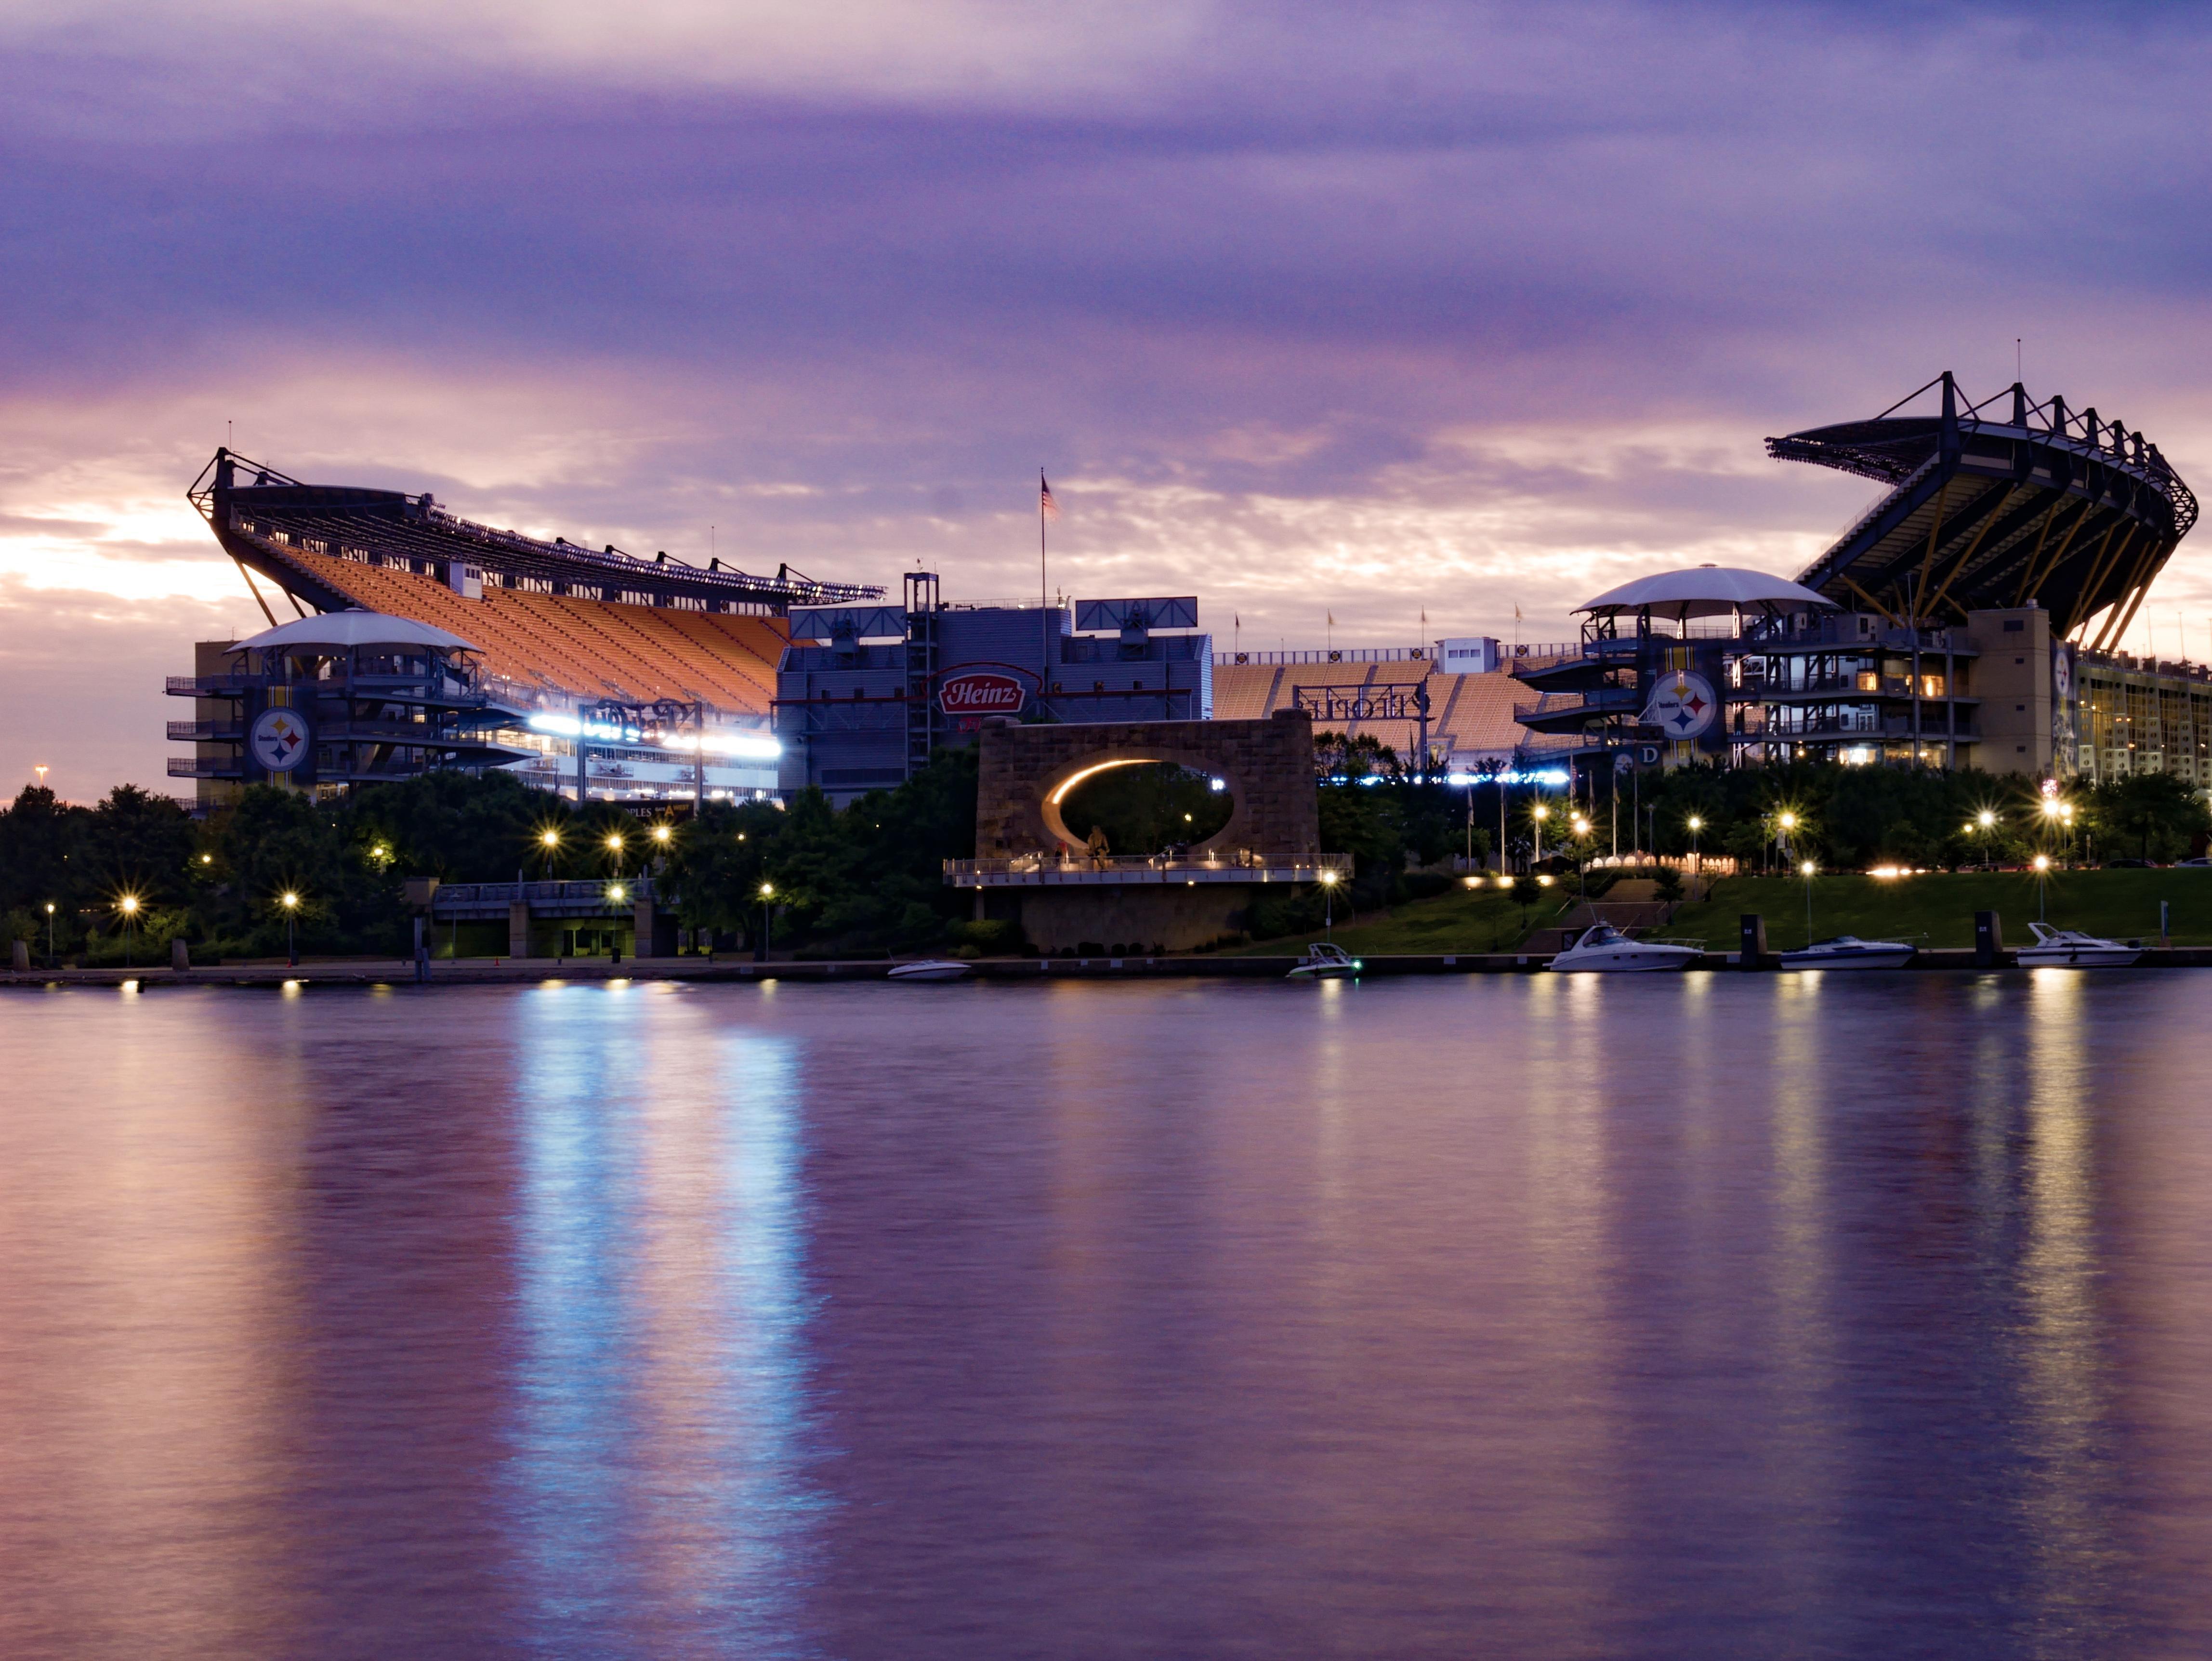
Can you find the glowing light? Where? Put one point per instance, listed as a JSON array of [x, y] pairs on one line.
[[757, 747], [1541, 812], [1328, 879], [661, 832], [549, 838], [1807, 868], [288, 900], [615, 843], [129, 903], [767, 889], [2043, 862], [1696, 824], [1544, 882], [615, 893], [1788, 820], [1986, 818], [207, 859], [1552, 775]]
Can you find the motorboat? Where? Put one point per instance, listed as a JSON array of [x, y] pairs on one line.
[[1850, 952], [1325, 962], [2069, 948], [933, 968], [1603, 948]]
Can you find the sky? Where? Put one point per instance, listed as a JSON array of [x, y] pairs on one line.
[[1315, 311]]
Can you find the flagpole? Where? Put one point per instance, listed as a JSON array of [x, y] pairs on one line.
[[1044, 614]]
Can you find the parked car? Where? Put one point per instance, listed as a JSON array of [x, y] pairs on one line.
[[2200, 860]]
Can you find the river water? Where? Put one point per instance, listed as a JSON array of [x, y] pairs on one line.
[[1699, 1316]]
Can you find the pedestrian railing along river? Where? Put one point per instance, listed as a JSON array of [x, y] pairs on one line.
[[1237, 864]]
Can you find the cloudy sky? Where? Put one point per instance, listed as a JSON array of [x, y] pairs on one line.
[[1309, 309]]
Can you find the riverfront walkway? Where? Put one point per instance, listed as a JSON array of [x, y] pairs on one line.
[[511, 972]]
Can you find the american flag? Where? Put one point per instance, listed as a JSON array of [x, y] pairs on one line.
[[1045, 505]]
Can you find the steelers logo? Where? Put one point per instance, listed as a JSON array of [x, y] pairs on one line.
[[278, 740], [1682, 705]]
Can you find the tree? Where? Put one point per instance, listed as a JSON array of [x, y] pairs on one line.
[[464, 829], [2154, 815]]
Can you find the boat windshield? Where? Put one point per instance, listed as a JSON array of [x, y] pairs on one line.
[[1599, 935]]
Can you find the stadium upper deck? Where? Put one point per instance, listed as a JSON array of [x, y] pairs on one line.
[[553, 620], [1997, 505]]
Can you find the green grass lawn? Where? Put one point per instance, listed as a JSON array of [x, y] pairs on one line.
[[1939, 906], [1942, 907], [1484, 919]]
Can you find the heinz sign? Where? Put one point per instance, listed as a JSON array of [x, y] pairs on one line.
[[981, 692]]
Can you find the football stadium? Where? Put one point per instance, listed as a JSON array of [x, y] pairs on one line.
[[1970, 616]]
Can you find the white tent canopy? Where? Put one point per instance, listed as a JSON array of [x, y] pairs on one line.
[[344, 630], [1708, 591]]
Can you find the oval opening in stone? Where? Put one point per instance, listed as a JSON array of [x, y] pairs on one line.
[[1147, 807]]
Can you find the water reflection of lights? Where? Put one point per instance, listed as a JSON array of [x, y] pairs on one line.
[[2058, 1275], [660, 1253]]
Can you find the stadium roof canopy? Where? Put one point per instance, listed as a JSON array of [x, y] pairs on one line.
[[1998, 504], [257, 523], [351, 628], [1707, 591]]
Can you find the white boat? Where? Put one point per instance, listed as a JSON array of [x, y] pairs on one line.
[[1850, 952], [1605, 949], [933, 968], [1324, 962], [2068, 948]]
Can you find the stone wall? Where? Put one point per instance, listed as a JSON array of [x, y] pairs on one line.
[[1267, 766]]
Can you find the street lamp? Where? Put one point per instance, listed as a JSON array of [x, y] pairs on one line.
[[661, 834], [1697, 824], [1539, 814], [2042, 872], [548, 841], [51, 959], [129, 906], [1985, 821], [615, 846], [290, 902], [1328, 904], [767, 893]]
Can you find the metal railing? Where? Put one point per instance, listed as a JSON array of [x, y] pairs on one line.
[[1235, 865]]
